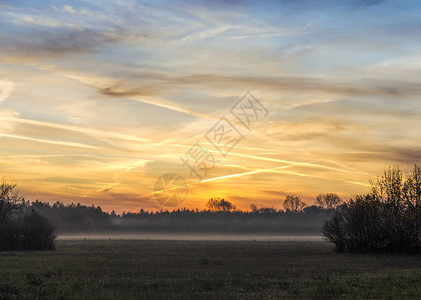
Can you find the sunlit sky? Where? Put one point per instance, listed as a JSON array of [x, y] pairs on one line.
[[99, 98]]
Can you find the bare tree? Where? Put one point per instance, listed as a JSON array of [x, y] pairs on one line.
[[389, 187], [412, 187], [10, 200], [329, 200], [293, 203]]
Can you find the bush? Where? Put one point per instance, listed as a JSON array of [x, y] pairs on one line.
[[38, 233], [388, 219], [10, 236], [29, 232]]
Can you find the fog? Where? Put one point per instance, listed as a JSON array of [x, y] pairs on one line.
[[189, 237]]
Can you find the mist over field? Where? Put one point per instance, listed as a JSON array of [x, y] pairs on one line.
[[187, 236]]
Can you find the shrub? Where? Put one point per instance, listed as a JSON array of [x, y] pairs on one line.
[[37, 232], [29, 232]]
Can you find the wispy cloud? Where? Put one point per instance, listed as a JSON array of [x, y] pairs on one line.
[[109, 95], [6, 88]]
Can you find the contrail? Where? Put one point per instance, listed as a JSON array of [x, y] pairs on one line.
[[93, 81], [88, 131], [358, 183], [271, 170], [276, 170], [250, 172], [61, 143], [236, 175], [307, 164]]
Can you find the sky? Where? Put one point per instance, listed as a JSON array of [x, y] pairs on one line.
[[98, 99]]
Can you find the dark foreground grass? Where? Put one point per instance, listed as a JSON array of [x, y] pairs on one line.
[[178, 269]]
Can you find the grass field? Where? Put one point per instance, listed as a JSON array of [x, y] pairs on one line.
[[192, 269]]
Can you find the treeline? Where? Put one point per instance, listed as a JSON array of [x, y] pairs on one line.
[[75, 217], [261, 220], [20, 219], [220, 217]]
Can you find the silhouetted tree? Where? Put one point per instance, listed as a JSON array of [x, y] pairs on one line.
[[253, 208], [328, 201], [217, 204], [10, 201], [262, 210], [212, 204], [293, 203], [412, 187], [267, 210]]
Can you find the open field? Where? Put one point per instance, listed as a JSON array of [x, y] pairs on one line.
[[209, 269], [191, 237]]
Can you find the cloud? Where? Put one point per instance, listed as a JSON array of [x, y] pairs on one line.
[[38, 21], [295, 91], [69, 9], [342, 89], [6, 116], [6, 88], [382, 153], [120, 91], [312, 128], [307, 84], [275, 193], [58, 42], [111, 87]]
